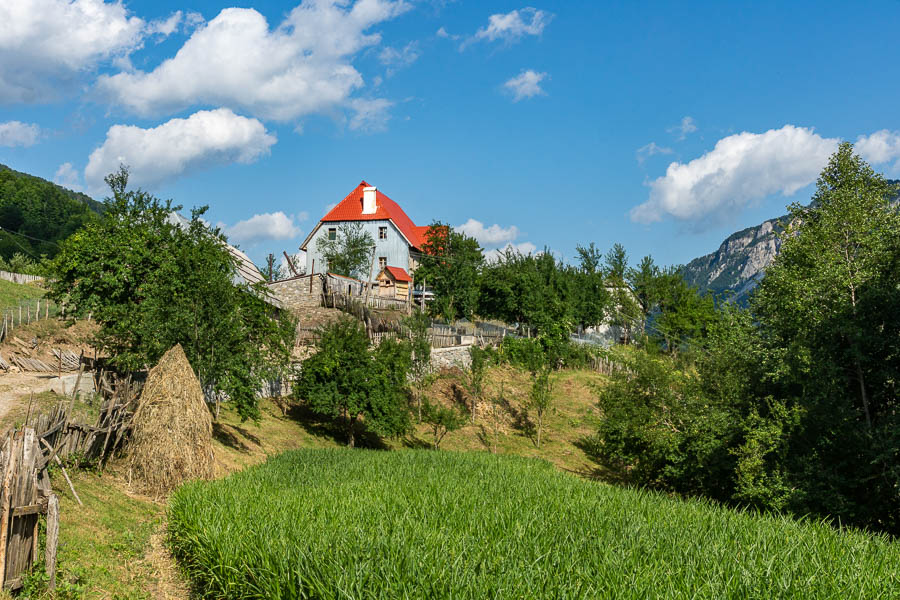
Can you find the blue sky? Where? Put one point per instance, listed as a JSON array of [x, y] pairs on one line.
[[663, 126]]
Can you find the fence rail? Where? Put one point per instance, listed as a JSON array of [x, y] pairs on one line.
[[24, 313]]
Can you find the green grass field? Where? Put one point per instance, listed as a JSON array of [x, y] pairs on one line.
[[421, 524]]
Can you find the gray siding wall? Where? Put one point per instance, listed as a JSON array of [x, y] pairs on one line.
[[394, 247]]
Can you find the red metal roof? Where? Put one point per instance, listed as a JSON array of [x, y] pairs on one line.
[[350, 209], [398, 274]]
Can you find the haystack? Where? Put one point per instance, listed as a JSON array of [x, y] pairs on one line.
[[171, 436]]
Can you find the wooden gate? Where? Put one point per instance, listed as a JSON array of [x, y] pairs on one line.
[[25, 496]]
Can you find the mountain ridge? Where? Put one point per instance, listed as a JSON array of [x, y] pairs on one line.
[[737, 266]]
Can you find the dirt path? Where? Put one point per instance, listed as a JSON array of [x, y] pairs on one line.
[[16, 389]]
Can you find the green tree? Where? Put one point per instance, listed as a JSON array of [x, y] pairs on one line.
[[442, 420], [591, 298], [350, 253], [420, 365], [829, 305], [152, 282], [684, 314], [348, 380], [644, 280], [624, 311], [541, 398], [451, 265], [473, 378]]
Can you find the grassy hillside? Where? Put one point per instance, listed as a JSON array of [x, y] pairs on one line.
[[11, 294], [367, 524]]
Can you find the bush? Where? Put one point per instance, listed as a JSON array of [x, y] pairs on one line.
[[415, 524], [533, 354], [658, 430], [350, 381]]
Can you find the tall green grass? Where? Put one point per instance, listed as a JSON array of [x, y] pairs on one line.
[[422, 524]]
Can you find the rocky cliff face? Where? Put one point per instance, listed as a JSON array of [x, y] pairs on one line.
[[739, 262]]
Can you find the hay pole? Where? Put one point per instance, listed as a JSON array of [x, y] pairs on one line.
[[59, 462]]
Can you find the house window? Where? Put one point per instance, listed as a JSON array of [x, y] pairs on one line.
[[332, 233], [382, 262], [382, 233]]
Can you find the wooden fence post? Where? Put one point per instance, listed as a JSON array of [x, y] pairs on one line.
[[52, 540], [10, 456]]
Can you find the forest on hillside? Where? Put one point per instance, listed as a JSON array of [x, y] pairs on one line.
[[35, 215]]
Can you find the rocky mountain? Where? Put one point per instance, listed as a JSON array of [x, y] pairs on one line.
[[740, 262]]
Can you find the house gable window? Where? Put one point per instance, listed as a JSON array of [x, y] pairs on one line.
[[382, 262], [332, 233], [382, 233]]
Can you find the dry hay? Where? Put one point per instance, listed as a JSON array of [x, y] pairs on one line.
[[171, 438]]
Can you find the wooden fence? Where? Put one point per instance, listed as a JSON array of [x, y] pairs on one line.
[[26, 312], [25, 494], [24, 497], [19, 277]]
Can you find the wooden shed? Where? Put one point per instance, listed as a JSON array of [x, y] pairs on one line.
[[394, 282]]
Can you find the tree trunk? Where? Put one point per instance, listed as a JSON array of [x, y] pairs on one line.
[[351, 432], [540, 427]]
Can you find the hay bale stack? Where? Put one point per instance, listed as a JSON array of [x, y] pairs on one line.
[[171, 436]]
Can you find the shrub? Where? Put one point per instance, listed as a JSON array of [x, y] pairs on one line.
[[361, 386]]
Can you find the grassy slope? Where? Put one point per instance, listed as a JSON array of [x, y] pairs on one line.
[[11, 294], [111, 548]]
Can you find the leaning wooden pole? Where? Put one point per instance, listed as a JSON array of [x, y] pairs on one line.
[[10, 447]]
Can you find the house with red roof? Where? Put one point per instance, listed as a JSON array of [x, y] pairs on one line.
[[397, 239]]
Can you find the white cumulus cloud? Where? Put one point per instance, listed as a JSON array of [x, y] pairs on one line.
[[166, 27], [177, 147], [740, 169], [488, 236], [48, 45], [263, 227], [17, 133], [300, 67], [514, 25], [525, 85], [67, 176], [880, 147]]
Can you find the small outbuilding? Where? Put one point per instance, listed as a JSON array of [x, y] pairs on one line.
[[394, 282]]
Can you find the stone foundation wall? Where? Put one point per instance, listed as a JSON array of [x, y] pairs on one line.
[[296, 294], [453, 356]]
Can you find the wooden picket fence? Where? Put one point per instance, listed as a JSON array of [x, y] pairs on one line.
[[19, 277], [26, 452], [24, 497]]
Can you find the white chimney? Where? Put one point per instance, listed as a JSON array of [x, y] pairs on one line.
[[369, 205]]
